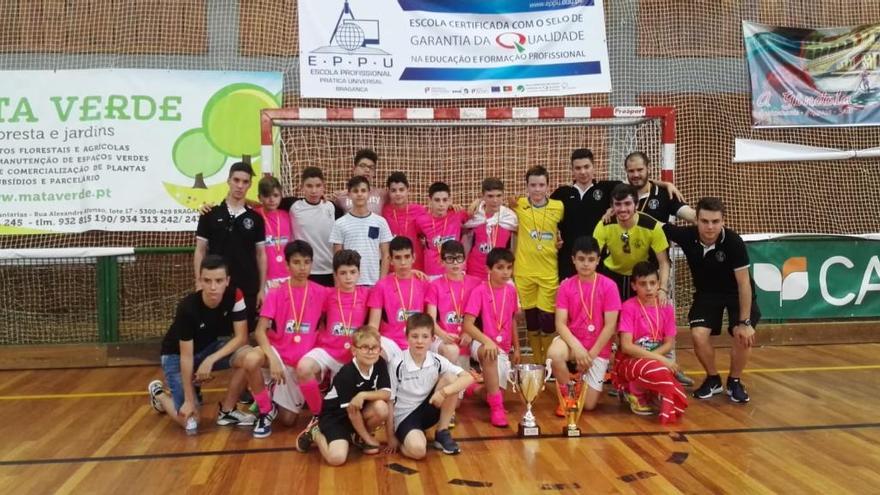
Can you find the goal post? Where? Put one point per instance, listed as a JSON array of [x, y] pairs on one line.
[[488, 117]]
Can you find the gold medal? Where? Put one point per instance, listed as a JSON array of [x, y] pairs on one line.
[[539, 247]]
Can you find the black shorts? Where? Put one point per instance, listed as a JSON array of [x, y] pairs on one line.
[[325, 279], [708, 311], [622, 281], [336, 426], [424, 417], [250, 303]]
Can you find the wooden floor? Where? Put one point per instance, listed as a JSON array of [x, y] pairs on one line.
[[812, 427]]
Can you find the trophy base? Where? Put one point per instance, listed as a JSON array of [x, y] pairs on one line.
[[571, 432], [529, 431]]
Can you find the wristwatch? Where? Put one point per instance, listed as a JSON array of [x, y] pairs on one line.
[[746, 322]]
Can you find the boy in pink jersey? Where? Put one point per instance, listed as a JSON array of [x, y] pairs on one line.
[[287, 330], [495, 303], [439, 225], [278, 231], [492, 225], [401, 215], [346, 311], [587, 306], [397, 296], [647, 333], [445, 303]]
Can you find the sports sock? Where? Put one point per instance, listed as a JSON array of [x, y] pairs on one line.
[[312, 395], [264, 402]]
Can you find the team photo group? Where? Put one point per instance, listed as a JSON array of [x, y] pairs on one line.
[[364, 309]]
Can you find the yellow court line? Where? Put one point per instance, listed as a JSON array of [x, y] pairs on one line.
[[92, 395]]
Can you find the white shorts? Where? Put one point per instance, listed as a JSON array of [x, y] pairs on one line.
[[278, 280], [390, 349], [287, 395], [503, 362], [325, 361], [595, 376]]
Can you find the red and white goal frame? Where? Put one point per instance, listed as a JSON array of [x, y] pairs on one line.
[[474, 116]]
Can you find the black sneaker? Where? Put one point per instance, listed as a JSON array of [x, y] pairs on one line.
[[306, 437], [443, 441], [736, 391], [711, 386]]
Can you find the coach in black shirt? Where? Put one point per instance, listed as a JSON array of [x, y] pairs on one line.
[[719, 265], [236, 232], [654, 200], [585, 200]]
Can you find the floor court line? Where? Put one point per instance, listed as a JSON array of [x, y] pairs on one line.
[[625, 434], [93, 395]]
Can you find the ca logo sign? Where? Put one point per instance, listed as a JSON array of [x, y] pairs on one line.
[[791, 283]]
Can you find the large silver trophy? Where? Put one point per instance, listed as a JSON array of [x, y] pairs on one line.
[[529, 380]]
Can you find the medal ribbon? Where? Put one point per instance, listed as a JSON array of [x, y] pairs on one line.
[[302, 307], [588, 319]]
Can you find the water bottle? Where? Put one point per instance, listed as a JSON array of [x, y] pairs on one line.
[[192, 426]]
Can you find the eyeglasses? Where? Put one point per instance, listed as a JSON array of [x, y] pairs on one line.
[[454, 259], [369, 348], [624, 237]]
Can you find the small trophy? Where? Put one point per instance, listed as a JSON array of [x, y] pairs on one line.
[[530, 380], [573, 399]]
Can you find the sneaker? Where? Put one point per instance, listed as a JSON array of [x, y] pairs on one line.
[[263, 425], [155, 389], [359, 442], [234, 417], [306, 437], [246, 398], [443, 441], [737, 391], [684, 379], [498, 417], [637, 406], [711, 386]]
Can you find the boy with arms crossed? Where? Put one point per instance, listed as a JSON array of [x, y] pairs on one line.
[[295, 309], [365, 232], [395, 298], [199, 342], [495, 303], [425, 387], [587, 306], [355, 405]]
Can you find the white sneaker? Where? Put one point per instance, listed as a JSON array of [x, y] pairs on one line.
[[234, 417], [155, 389]]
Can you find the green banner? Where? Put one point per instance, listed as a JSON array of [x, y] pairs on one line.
[[816, 277]]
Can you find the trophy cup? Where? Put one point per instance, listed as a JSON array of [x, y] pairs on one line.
[[573, 400], [530, 380]]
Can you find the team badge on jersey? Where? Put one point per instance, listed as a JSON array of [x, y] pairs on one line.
[[453, 318], [653, 204], [720, 256], [597, 195], [291, 327], [340, 330], [247, 223], [402, 315], [485, 248]]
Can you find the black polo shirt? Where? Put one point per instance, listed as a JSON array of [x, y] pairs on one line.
[[659, 205], [712, 267], [237, 240], [201, 324], [582, 213], [349, 382]]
